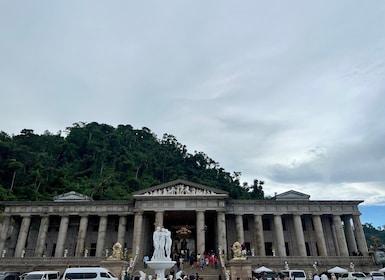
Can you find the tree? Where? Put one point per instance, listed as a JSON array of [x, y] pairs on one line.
[[256, 189]]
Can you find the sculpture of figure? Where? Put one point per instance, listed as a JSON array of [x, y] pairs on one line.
[[237, 249], [142, 275], [168, 243], [156, 239], [117, 253], [162, 243]]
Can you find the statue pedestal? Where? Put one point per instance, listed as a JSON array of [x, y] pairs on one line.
[[117, 267], [239, 268], [160, 266]]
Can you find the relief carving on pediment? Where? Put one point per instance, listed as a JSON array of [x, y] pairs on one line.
[[179, 189]]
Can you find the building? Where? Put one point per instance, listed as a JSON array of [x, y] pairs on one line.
[[290, 228]]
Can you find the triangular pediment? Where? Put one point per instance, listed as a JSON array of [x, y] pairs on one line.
[[71, 197], [180, 188], [292, 195]]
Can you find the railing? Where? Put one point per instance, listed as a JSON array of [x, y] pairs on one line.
[[47, 263], [308, 263], [131, 265], [222, 262]]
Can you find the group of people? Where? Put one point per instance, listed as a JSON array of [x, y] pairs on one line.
[[323, 276]]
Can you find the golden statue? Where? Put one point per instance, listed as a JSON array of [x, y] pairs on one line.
[[117, 253], [237, 250]]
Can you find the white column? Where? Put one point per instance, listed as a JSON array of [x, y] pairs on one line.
[[351, 242], [221, 221], [360, 236], [319, 234], [340, 235], [159, 216], [101, 236], [59, 252], [201, 231], [138, 224], [4, 232], [239, 228], [42, 236], [278, 228], [258, 224], [81, 236], [23, 234], [299, 235], [122, 229]]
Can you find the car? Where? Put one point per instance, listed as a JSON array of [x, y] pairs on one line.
[[376, 275], [296, 274], [43, 275], [88, 273], [9, 275], [353, 276], [271, 275]]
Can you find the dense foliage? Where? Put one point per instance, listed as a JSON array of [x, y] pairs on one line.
[[104, 162], [375, 237]]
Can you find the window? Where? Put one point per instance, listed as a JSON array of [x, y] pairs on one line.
[[266, 224], [245, 224], [303, 224]]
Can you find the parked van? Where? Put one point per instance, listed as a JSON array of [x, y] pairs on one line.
[[295, 274], [89, 273], [43, 275]]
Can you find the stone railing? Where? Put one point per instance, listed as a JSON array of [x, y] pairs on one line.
[[46, 263], [307, 263]]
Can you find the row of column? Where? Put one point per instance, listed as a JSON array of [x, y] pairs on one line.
[[347, 239], [62, 235]]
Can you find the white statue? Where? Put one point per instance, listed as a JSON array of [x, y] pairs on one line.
[[156, 239], [178, 275], [142, 275], [168, 243], [162, 244]]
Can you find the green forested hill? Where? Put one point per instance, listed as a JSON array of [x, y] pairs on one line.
[[105, 163]]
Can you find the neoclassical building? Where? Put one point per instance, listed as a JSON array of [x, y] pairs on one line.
[[288, 227]]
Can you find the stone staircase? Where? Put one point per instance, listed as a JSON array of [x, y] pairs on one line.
[[208, 273]]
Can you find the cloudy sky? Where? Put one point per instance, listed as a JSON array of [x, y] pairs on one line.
[[289, 92]]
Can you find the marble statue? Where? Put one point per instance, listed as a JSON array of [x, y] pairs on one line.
[[142, 275], [162, 244], [161, 258]]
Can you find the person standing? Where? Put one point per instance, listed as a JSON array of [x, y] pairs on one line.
[[145, 260], [324, 276]]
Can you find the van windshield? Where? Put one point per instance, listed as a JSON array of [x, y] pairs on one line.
[[80, 275], [298, 274], [271, 275]]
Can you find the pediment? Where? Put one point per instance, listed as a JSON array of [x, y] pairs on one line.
[[292, 195], [180, 188], [71, 197]]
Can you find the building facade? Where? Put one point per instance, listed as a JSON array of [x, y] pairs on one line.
[[289, 225]]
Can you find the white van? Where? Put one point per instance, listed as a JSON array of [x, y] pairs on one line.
[[43, 275], [295, 274], [89, 273]]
